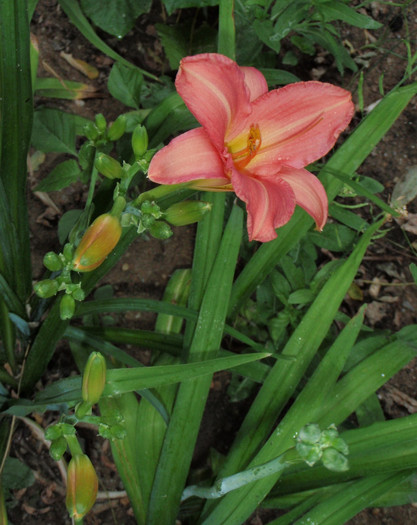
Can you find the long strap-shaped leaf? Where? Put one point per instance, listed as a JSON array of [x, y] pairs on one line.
[[346, 160], [278, 388], [16, 113], [191, 397]]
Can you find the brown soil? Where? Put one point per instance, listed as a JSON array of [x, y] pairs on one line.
[[147, 265]]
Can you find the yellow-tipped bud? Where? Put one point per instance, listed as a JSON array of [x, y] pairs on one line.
[[98, 241], [82, 486], [94, 378]]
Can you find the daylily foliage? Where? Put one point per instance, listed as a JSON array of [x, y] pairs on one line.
[[254, 142]]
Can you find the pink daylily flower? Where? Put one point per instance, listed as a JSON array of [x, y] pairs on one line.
[[254, 142]]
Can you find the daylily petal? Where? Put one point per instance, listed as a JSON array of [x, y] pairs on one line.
[[187, 157], [299, 123], [309, 193], [270, 202], [213, 88], [255, 81]]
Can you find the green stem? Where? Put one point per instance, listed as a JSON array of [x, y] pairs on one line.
[[73, 445]]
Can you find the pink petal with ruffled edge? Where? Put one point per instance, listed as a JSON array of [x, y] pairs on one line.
[[255, 81], [299, 123], [269, 202], [188, 157], [309, 193], [213, 88]]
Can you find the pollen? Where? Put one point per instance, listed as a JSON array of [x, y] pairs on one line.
[[242, 157]]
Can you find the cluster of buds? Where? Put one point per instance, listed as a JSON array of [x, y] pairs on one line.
[[314, 445], [98, 131]]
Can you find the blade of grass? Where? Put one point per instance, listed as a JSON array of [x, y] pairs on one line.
[[346, 161], [191, 397], [16, 110]]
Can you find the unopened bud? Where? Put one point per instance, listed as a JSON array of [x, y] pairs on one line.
[[117, 129], [186, 212], [91, 131], [82, 486], [46, 288], [108, 166], [100, 122], [98, 241], [94, 378], [66, 307], [58, 448], [160, 230], [139, 141], [52, 262]]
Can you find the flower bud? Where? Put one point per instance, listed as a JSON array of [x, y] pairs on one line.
[[100, 122], [58, 448], [82, 486], [160, 230], [52, 262], [139, 141], [66, 307], [46, 288], [98, 241], [108, 166], [91, 131], [117, 129], [94, 378], [187, 212]]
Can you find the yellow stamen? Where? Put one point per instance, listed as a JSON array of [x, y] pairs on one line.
[[242, 157]]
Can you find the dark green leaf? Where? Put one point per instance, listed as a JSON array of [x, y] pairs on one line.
[[334, 237], [66, 223], [173, 5], [54, 130], [337, 10], [60, 177], [124, 84], [116, 17]]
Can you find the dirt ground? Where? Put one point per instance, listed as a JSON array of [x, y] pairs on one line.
[[383, 278]]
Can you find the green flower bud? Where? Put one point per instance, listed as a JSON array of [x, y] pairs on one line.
[[91, 131], [151, 208], [108, 166], [186, 212], [160, 230], [82, 486], [66, 307], [139, 141], [68, 251], [46, 288], [334, 460], [58, 448], [118, 128], [78, 294], [100, 122], [98, 241], [52, 262], [94, 378]]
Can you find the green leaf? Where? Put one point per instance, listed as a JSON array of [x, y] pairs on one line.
[[116, 17], [277, 77], [66, 223], [334, 237], [17, 475], [60, 177], [65, 89], [124, 84], [54, 130], [336, 10], [122, 380]]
